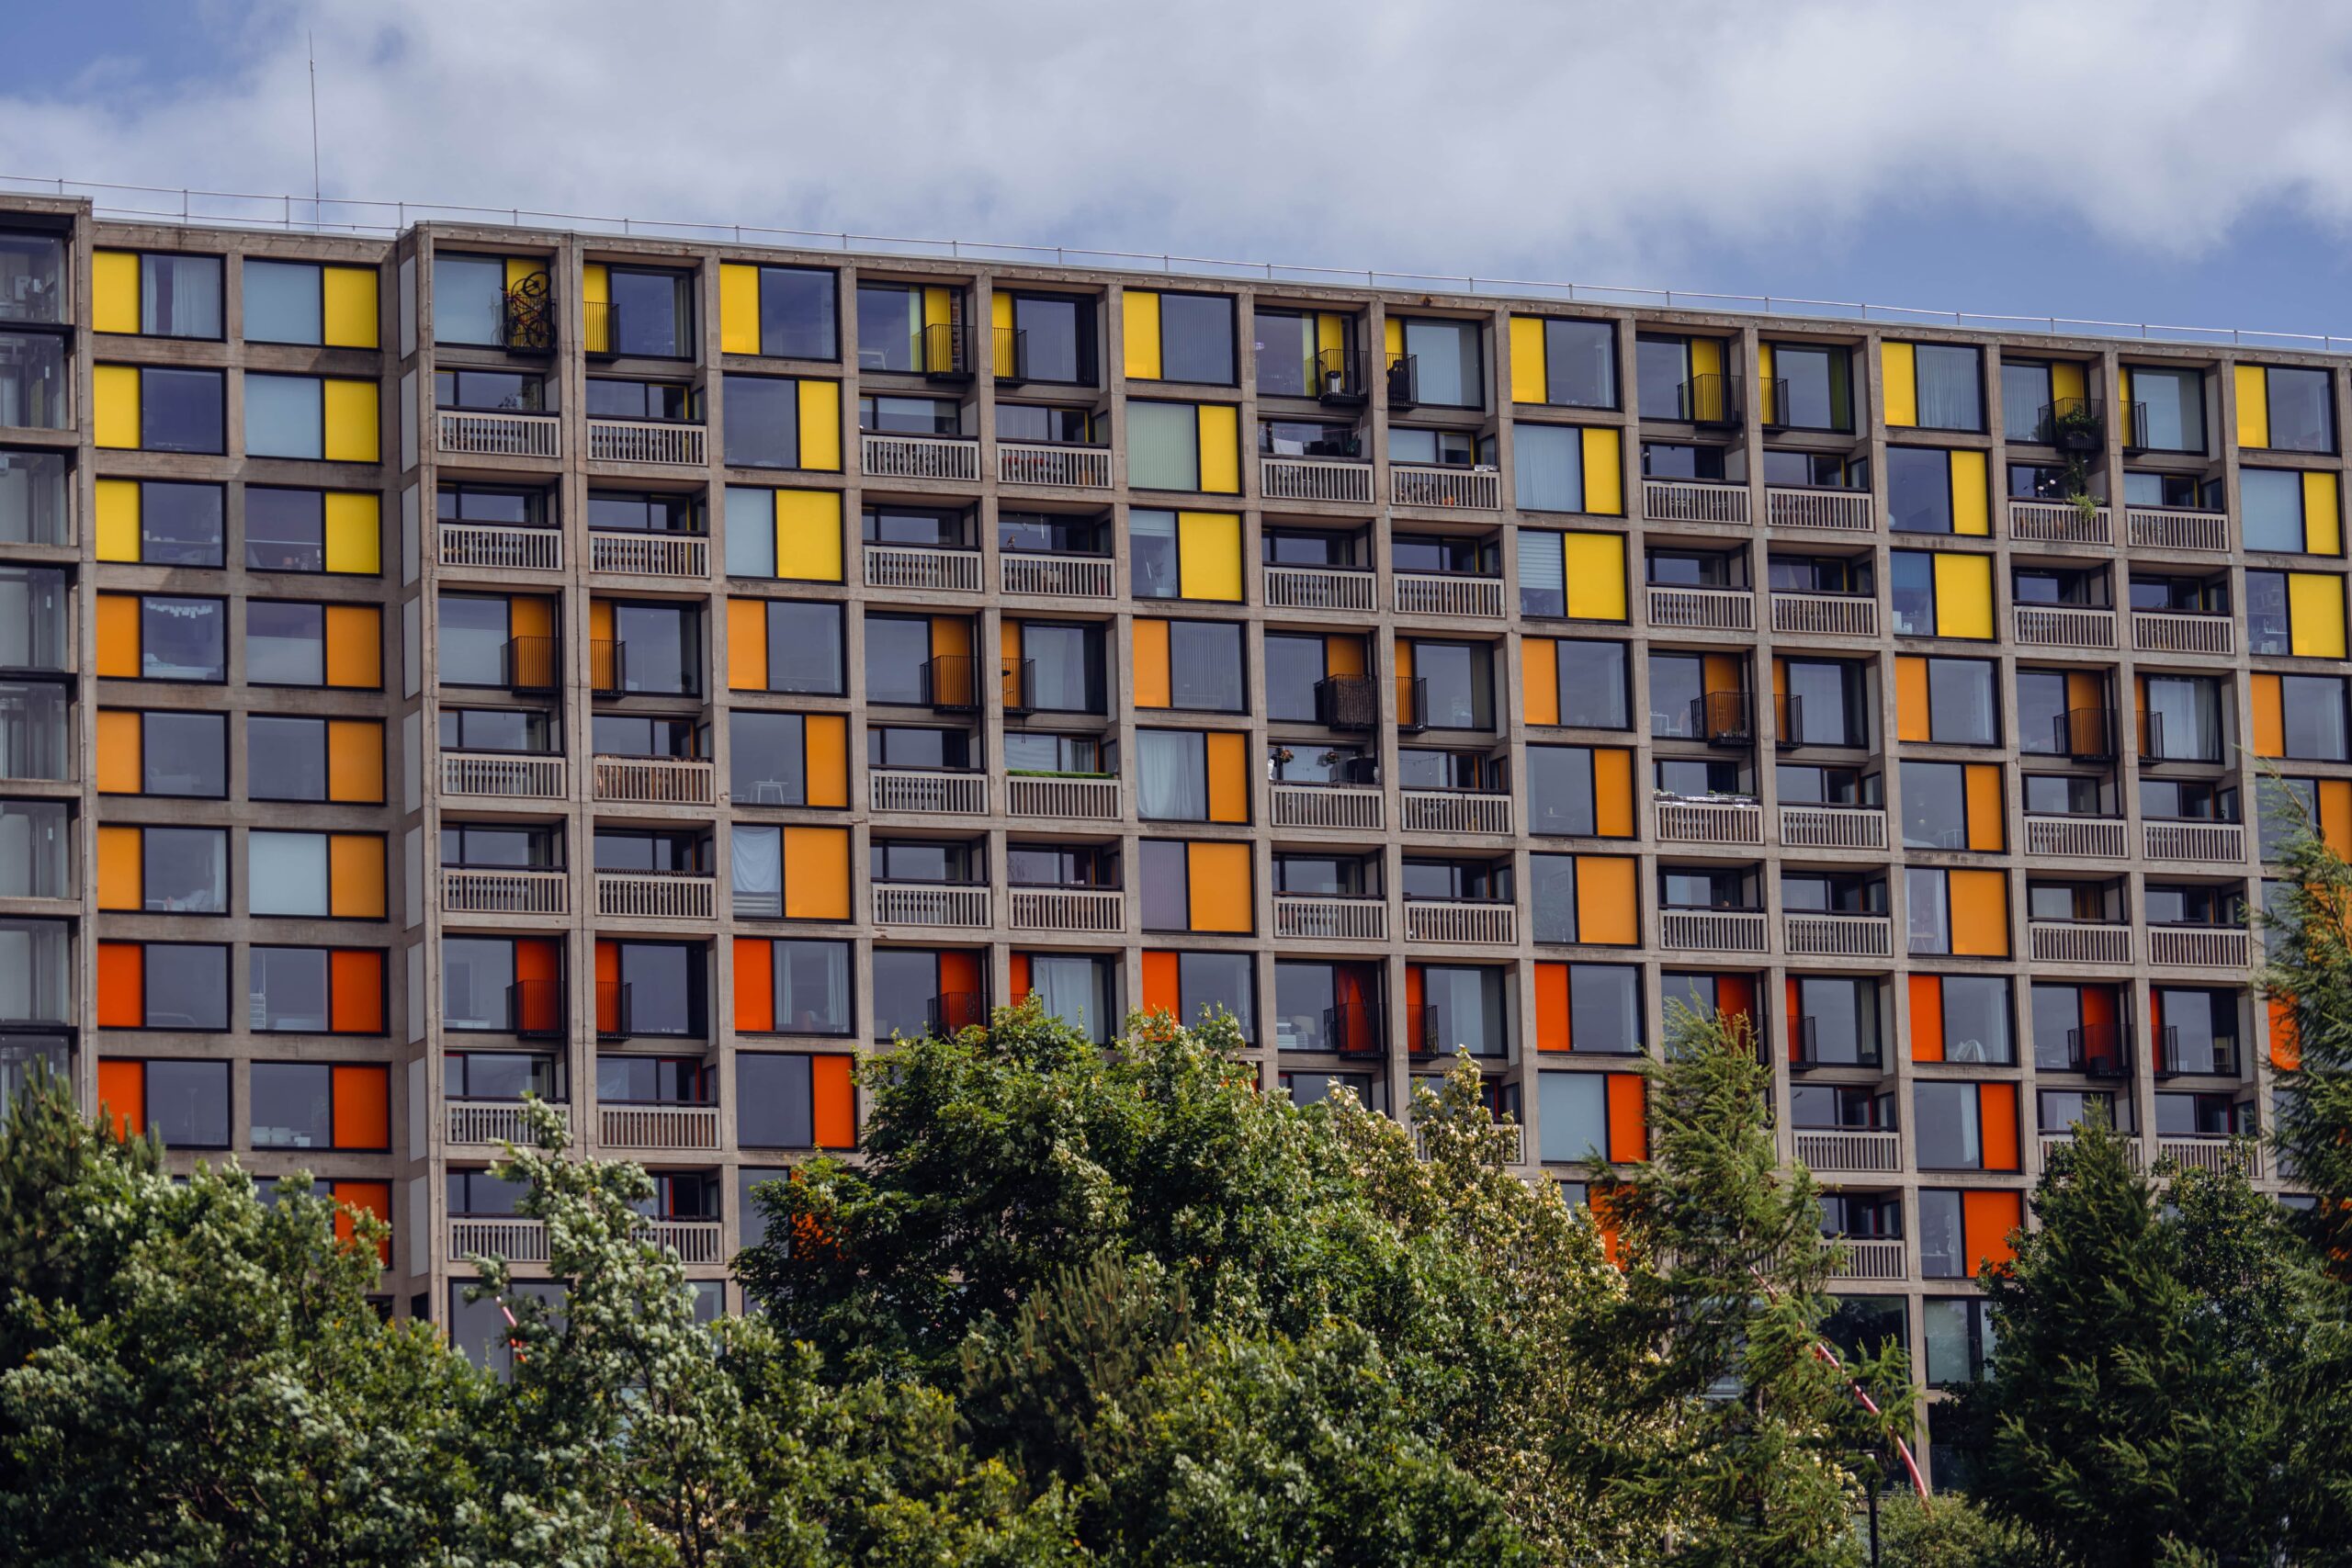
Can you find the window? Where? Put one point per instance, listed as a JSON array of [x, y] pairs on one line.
[[1447, 1006], [314, 1105], [160, 523], [1805, 388], [1454, 683], [1822, 701], [156, 637], [163, 870], [1965, 913], [178, 985], [773, 422], [1189, 447], [1931, 490], [34, 509], [1435, 363], [2028, 390], [1187, 985], [2167, 409], [498, 505], [1590, 1116], [2078, 1028], [1184, 555], [2196, 1031], [310, 416], [1328, 1007], [1833, 1022], [155, 295], [313, 644], [1319, 680], [1576, 683], [1567, 468], [789, 758], [910, 416], [794, 873], [650, 988], [1569, 364], [502, 985], [1966, 1126], [313, 531], [186, 1104], [1194, 665], [1196, 886], [1840, 1106], [493, 391], [1952, 806], [502, 1075], [2291, 511], [794, 1101], [2297, 716], [785, 313], [314, 759], [36, 850], [638, 313], [654, 649], [785, 645], [1959, 1334], [656, 1080], [1079, 990], [317, 990], [152, 409], [645, 513], [34, 984], [1947, 701], [1579, 575], [472, 304], [2283, 409], [1190, 775], [1592, 1008], [616, 397], [1581, 791], [792, 986], [1960, 1234], [1180, 337], [335, 875], [306, 302], [2299, 613], [1044, 337], [184, 754], [32, 278], [2182, 720], [1932, 385]]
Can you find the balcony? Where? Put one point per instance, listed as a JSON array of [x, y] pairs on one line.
[[917, 566], [1321, 588], [2078, 941], [1061, 466], [1875, 1259], [1703, 609], [2087, 735], [2064, 625], [2054, 1141], [1079, 911], [1315, 479], [1461, 919], [1059, 577], [2182, 743], [950, 683], [1709, 821], [2200, 947], [2218, 1155], [2177, 528], [1723, 718], [1832, 827], [531, 664], [1071, 797], [2216, 843], [670, 443], [927, 791], [1319, 918], [1339, 807], [1512, 1153], [954, 459], [1449, 595], [491, 1122], [471, 433], [1835, 511], [931, 904], [1347, 702], [2076, 838], [607, 666], [1845, 1151], [655, 781], [501, 776], [656, 896], [1714, 931], [2061, 523], [491, 548], [2156, 631], [659, 1127], [633, 553], [516, 1241], [2095, 1052], [1810, 935], [1456, 811], [1694, 500], [1825, 614], [1445, 486], [486, 890]]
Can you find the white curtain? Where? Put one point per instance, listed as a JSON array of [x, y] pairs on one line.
[[757, 857]]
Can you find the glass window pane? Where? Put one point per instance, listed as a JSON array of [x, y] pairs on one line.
[[32, 491], [1918, 490], [179, 296], [762, 421], [1204, 666], [1163, 447], [1171, 777], [805, 647], [284, 644], [180, 410], [1605, 1007], [182, 639], [774, 1101], [185, 871], [797, 313], [188, 984], [1977, 1019], [468, 300], [2301, 415], [1572, 1111], [286, 874], [1210, 981], [185, 754], [285, 529], [188, 1104], [1196, 339], [1595, 684], [1559, 790], [289, 988], [283, 301], [813, 987], [293, 1105], [1951, 396], [1580, 364], [282, 416], [1547, 463]]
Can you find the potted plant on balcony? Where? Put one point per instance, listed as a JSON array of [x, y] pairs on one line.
[[2075, 428]]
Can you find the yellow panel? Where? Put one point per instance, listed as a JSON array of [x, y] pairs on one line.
[[355, 876], [808, 534], [597, 315], [1765, 411], [1142, 319], [1228, 771], [824, 758], [1208, 555], [1604, 474], [1151, 664], [1392, 335], [1595, 569], [114, 406], [1404, 659], [354, 532], [118, 520], [118, 632], [520, 267], [2269, 717], [738, 309], [1607, 907], [1612, 792], [1963, 595], [1218, 881], [2254, 407], [1539, 680], [351, 421], [820, 427], [936, 310], [1980, 913], [2335, 814], [1985, 821], [2315, 615], [114, 291], [1343, 655], [1529, 382], [816, 874], [1220, 434], [1000, 322], [747, 645], [118, 736], [1706, 357], [355, 645], [1330, 332], [2067, 381], [356, 760], [347, 296], [120, 879], [1899, 370], [1970, 511], [2322, 518]]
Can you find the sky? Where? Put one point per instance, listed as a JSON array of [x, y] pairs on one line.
[[2172, 161]]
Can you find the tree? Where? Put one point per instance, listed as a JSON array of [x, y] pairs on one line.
[[1948, 1530]]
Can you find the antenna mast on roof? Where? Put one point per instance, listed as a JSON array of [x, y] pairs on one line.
[[312, 39]]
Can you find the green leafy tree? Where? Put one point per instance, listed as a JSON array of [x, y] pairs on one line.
[[1948, 1530]]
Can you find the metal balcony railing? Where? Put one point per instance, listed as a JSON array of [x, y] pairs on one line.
[[1723, 718], [1412, 704], [614, 1010], [2072, 424], [951, 683], [607, 666], [531, 664], [1404, 378], [1017, 681], [1351, 589], [951, 1012], [1339, 378], [2087, 735], [2097, 1051], [1347, 702], [535, 1010]]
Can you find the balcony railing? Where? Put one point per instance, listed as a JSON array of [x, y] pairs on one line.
[[1832, 827], [2200, 947], [486, 890], [1059, 577], [955, 459], [1321, 588], [695, 1241], [2076, 838], [1315, 479], [2179, 743], [1714, 931], [2060, 523], [657, 896], [2088, 735], [2220, 843], [2078, 941], [1693, 501], [2161, 631], [2064, 625], [645, 554], [1449, 593], [1347, 702], [493, 1122], [1445, 486], [1086, 911], [659, 1126], [2220, 1154], [469, 432], [1875, 1258], [1455, 919], [1703, 609], [1723, 718], [517, 1241], [1710, 821], [951, 683], [1078, 800], [930, 904], [1456, 811], [1345, 808], [1322, 919], [1846, 1151], [922, 565], [1813, 935], [1404, 372], [929, 791], [2096, 1051], [2177, 528], [670, 443], [1017, 684], [500, 775], [655, 781], [1048, 463], [490, 546], [1840, 511], [1825, 614], [2054, 1141], [607, 666]]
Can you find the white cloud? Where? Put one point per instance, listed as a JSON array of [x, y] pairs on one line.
[[1519, 138]]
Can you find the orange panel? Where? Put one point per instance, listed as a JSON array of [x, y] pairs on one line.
[[1162, 987], [2086, 689], [1985, 824], [117, 631], [1997, 1110], [1008, 639], [832, 1102], [355, 989], [1017, 972], [120, 753], [121, 869], [754, 986], [600, 621], [1343, 655], [1601, 1198], [530, 615], [1719, 673], [356, 761], [1980, 913], [355, 876], [824, 748], [2269, 718], [951, 636], [1795, 1013], [355, 645], [1228, 771], [1927, 1018], [2334, 815], [538, 963], [1628, 1119], [2286, 1045], [1539, 669], [1152, 689], [1218, 879], [363, 1108], [123, 1089], [747, 645], [122, 985], [1911, 698], [1607, 906], [1612, 792], [816, 874], [1735, 998], [960, 975], [538, 958], [1986, 1220], [368, 1196], [2156, 1029], [1551, 1008], [608, 987]]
